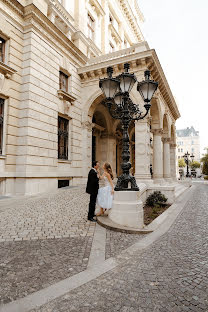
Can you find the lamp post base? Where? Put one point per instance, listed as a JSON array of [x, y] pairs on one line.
[[123, 183], [127, 209]]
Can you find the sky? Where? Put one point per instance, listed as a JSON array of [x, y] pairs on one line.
[[178, 31]]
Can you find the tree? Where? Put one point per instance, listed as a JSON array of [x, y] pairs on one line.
[[205, 164], [195, 164], [181, 163]]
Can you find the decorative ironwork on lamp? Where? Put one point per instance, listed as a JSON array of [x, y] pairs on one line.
[[120, 106]]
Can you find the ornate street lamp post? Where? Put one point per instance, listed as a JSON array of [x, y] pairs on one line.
[[187, 160], [120, 106]]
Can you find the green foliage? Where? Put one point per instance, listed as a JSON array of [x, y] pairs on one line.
[[205, 164], [205, 177], [181, 163], [156, 199], [195, 164]]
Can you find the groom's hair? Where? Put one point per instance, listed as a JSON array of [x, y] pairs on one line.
[[94, 163]]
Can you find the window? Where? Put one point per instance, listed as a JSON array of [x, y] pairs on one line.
[[1, 124], [63, 183], [192, 142], [113, 21], [91, 27], [111, 47], [179, 157], [179, 150], [63, 81], [63, 135], [192, 150], [2, 50]]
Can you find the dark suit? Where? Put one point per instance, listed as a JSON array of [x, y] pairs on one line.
[[92, 189]]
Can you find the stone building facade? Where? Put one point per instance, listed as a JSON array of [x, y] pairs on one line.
[[188, 140], [53, 122]]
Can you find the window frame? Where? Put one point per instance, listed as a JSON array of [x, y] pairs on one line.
[[2, 125], [91, 26], [3, 54], [65, 134], [61, 76]]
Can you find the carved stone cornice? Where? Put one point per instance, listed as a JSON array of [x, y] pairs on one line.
[[98, 7], [35, 19], [66, 96], [132, 19], [16, 6], [6, 70]]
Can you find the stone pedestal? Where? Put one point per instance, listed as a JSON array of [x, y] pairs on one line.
[[127, 209]]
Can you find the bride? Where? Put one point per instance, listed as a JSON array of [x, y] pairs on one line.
[[105, 194]]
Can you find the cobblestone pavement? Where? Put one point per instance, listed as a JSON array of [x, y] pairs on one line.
[[27, 267], [116, 242], [45, 239], [169, 276], [58, 215]]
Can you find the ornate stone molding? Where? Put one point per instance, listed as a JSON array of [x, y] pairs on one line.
[[166, 140], [6, 70], [131, 19], [114, 33], [16, 6], [65, 96], [35, 19], [98, 7], [157, 132]]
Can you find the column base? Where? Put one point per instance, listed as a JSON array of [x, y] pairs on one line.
[[127, 209]]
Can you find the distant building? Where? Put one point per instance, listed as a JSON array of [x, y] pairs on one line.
[[188, 140]]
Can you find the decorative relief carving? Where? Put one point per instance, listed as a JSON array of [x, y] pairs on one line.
[[157, 131], [166, 140], [140, 148]]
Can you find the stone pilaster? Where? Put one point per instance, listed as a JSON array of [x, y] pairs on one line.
[[173, 161], [166, 159], [86, 147], [142, 150], [157, 155]]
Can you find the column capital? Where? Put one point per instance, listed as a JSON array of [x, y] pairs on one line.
[[173, 145], [157, 131], [166, 140]]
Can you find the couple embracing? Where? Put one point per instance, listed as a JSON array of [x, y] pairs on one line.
[[104, 195]]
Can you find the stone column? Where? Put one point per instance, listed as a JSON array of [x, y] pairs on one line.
[[173, 161], [166, 159], [157, 155], [142, 150]]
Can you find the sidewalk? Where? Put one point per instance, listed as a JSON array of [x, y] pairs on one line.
[[163, 271]]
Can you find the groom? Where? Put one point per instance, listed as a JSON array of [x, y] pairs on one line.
[[92, 188]]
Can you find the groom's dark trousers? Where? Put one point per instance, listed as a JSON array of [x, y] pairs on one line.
[[92, 189]]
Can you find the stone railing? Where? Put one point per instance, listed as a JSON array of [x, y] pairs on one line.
[[139, 47]]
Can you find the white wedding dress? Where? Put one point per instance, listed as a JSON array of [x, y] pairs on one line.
[[104, 197]]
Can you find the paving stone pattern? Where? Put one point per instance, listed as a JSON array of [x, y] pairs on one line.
[[116, 242], [58, 215], [169, 276], [28, 266]]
